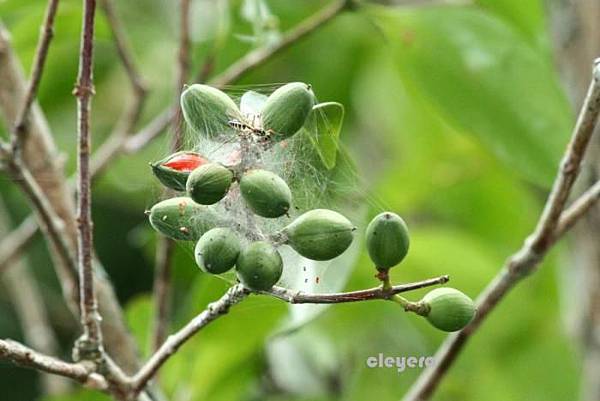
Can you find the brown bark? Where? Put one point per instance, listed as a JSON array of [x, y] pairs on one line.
[[43, 159], [577, 42]]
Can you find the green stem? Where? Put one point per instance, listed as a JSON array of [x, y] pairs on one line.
[[384, 277], [416, 307]]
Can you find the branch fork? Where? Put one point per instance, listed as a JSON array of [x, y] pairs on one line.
[[554, 222]]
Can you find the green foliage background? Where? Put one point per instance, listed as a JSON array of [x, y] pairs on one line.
[[456, 120]]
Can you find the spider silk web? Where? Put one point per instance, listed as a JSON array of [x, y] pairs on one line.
[[296, 160]]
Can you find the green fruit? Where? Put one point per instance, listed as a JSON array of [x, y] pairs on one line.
[[217, 250], [209, 183], [182, 219], [259, 266], [266, 193], [320, 234], [387, 240], [208, 110], [449, 309], [174, 170], [286, 110]]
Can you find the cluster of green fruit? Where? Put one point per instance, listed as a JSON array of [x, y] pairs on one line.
[[318, 234]]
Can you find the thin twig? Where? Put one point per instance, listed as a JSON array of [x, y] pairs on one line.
[[123, 47], [84, 90], [527, 259], [16, 242], [183, 69], [40, 156], [260, 55], [295, 297], [207, 67], [26, 296], [578, 208], [26, 357], [162, 291], [111, 147], [237, 293], [216, 309], [39, 61], [53, 224], [166, 246], [247, 63], [147, 134]]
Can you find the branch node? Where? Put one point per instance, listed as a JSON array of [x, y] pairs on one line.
[[96, 381], [86, 349], [81, 90]]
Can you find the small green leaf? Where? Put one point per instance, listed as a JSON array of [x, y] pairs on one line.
[[329, 118]]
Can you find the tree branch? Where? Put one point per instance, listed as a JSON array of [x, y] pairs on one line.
[[84, 90], [39, 61], [40, 155], [156, 126], [16, 241], [26, 357], [162, 290], [53, 224], [295, 297], [238, 293], [165, 246], [112, 146], [578, 209], [258, 57], [26, 296], [216, 309], [527, 259], [123, 48]]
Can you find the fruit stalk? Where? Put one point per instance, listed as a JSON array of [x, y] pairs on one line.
[[419, 308]]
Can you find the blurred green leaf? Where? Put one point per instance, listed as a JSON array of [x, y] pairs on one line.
[[139, 313], [225, 348], [264, 23], [485, 80], [329, 119], [303, 363], [526, 16]]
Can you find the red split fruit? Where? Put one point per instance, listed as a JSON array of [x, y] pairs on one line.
[[173, 170]]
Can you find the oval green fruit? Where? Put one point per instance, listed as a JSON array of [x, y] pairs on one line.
[[217, 250], [387, 240], [209, 183], [449, 309], [181, 218], [286, 110], [266, 193], [320, 234], [208, 110], [259, 266]]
